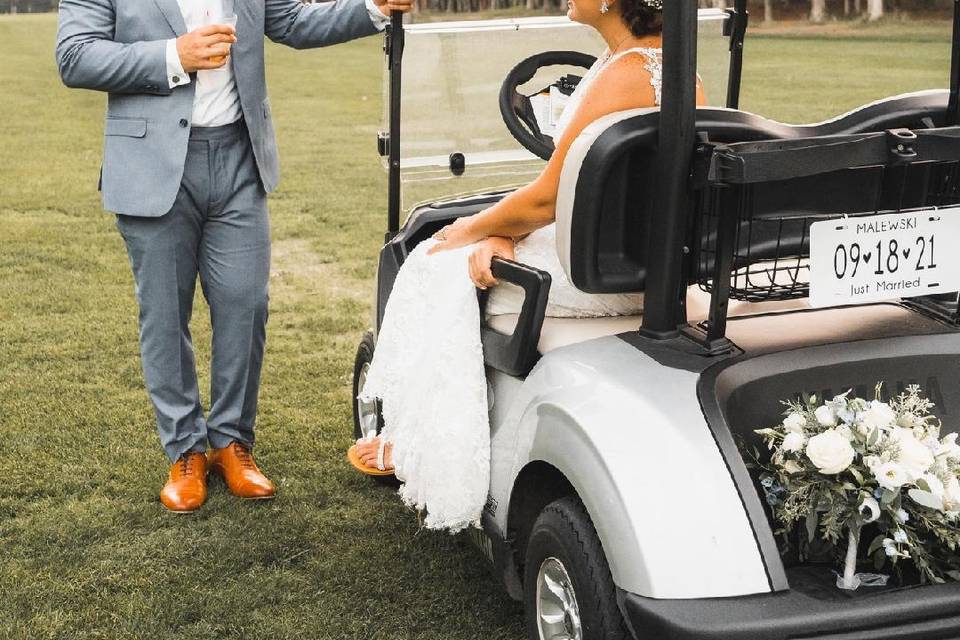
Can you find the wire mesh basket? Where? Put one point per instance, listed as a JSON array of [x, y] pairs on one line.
[[766, 227]]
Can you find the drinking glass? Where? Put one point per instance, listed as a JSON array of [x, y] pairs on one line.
[[226, 18]]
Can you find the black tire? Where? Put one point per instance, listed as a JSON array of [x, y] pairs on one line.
[[563, 531], [364, 358]]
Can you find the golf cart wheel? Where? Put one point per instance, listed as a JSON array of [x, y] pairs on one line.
[[568, 592], [367, 415]]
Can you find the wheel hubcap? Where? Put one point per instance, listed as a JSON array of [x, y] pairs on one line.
[[558, 615], [366, 410]]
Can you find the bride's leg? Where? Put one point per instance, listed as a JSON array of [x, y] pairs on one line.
[[369, 452]]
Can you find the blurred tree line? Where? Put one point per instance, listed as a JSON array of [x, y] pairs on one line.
[[815, 10]]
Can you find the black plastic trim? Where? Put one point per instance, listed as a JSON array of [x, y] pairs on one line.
[[920, 613], [517, 353]]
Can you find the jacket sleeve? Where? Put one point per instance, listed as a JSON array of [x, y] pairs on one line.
[[304, 26], [88, 57]]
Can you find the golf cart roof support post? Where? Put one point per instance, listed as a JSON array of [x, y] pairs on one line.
[[395, 57], [739, 17], [663, 310], [953, 107]]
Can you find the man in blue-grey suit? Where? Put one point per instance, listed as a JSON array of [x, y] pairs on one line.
[[189, 157]]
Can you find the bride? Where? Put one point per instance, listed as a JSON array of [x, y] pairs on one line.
[[428, 367]]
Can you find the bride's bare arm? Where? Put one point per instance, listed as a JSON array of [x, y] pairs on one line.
[[625, 85]]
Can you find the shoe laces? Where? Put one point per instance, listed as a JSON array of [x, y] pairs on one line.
[[244, 456], [186, 462]]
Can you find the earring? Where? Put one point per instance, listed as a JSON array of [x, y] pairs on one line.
[[604, 7]]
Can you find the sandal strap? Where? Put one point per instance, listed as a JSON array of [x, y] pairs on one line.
[[380, 448]]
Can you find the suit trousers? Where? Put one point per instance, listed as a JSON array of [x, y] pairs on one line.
[[218, 229]]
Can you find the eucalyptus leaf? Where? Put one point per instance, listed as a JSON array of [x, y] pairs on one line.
[[888, 497], [923, 485], [856, 474]]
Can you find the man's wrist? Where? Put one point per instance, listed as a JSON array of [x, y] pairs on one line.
[[176, 76], [377, 16]]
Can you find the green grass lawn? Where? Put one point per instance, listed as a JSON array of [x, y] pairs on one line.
[[86, 550]]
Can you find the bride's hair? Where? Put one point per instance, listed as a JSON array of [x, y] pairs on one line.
[[642, 17]]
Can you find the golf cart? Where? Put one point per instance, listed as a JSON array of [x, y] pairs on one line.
[[619, 498]]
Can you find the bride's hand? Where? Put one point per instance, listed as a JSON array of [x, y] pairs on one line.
[[482, 257], [455, 235]]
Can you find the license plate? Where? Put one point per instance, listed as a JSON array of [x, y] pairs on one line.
[[882, 257]]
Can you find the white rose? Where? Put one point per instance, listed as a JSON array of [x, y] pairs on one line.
[[890, 475], [844, 430], [872, 462], [794, 442], [825, 416], [878, 415], [915, 458], [830, 452], [795, 422]]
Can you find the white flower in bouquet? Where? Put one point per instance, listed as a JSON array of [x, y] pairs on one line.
[[912, 454], [870, 510], [931, 493], [872, 462], [795, 422], [908, 421], [845, 431], [830, 452], [948, 447], [878, 415], [794, 442], [826, 416], [890, 475], [792, 467]]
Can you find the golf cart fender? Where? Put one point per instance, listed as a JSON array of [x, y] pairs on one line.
[[629, 436]]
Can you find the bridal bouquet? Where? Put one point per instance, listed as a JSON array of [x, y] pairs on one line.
[[839, 465]]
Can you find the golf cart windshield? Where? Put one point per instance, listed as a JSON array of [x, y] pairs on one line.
[[452, 75]]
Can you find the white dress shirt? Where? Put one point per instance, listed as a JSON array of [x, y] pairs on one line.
[[216, 101]]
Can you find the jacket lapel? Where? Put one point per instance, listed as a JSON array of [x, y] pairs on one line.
[[171, 11]]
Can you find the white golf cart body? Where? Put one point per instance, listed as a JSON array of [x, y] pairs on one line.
[[644, 431]]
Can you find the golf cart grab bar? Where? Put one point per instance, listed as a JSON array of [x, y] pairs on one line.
[[770, 160], [516, 354]]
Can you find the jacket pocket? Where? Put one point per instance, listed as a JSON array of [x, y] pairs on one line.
[[130, 127]]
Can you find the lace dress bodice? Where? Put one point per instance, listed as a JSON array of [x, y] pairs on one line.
[[539, 249]]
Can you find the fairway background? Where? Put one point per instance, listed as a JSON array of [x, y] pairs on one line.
[[86, 551]]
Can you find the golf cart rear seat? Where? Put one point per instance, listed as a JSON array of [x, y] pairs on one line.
[[603, 217]]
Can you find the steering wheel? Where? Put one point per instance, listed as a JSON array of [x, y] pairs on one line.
[[516, 108]]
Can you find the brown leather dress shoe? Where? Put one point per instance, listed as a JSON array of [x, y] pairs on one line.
[[235, 463], [186, 487]]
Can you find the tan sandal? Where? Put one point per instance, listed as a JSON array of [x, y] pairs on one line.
[[354, 458]]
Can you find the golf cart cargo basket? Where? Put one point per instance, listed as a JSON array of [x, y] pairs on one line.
[[763, 227]]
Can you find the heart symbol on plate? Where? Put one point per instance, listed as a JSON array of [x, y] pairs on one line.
[[866, 256]]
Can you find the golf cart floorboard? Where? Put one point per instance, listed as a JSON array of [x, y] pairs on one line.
[[919, 613]]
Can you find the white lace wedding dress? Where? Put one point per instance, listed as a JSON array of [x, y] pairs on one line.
[[428, 366]]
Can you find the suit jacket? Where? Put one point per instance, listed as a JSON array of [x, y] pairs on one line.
[[119, 46]]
